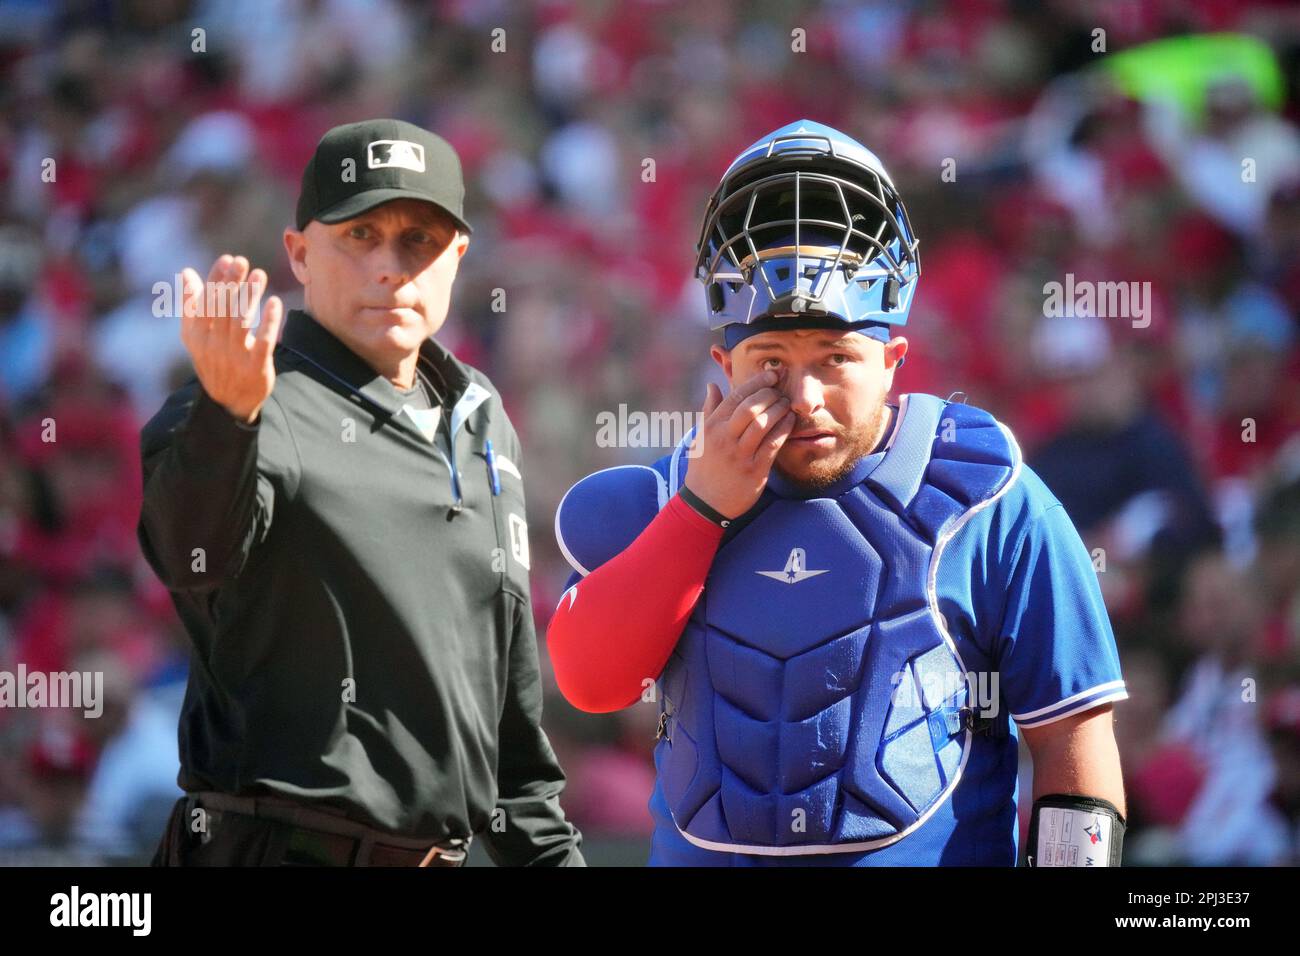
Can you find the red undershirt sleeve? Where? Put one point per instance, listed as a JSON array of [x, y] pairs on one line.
[[617, 627]]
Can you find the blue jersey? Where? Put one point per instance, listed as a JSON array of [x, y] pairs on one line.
[[940, 565]]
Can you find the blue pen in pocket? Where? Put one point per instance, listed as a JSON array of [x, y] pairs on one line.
[[493, 474]]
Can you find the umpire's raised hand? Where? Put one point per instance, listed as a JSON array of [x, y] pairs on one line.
[[233, 361]]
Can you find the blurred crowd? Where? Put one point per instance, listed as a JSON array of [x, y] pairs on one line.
[[137, 138]]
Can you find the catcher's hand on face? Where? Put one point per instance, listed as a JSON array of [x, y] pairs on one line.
[[738, 440], [234, 363]]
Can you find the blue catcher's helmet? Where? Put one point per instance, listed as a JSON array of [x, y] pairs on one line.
[[805, 230]]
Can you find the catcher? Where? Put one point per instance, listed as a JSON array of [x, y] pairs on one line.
[[848, 608]]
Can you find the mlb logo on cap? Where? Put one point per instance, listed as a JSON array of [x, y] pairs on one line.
[[359, 166], [395, 152]]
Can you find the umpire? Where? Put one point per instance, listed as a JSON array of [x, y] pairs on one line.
[[340, 520]]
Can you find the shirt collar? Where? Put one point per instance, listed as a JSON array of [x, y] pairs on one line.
[[304, 334]]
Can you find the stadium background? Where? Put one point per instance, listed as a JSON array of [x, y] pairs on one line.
[[1066, 161]]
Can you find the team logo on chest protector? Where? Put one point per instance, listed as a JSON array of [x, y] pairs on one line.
[[795, 570], [827, 717]]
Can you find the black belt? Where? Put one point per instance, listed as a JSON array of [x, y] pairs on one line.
[[330, 838]]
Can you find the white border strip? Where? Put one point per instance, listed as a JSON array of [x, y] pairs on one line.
[[1117, 691], [674, 474], [898, 421], [508, 466]]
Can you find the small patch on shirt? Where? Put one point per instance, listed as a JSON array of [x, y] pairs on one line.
[[508, 466]]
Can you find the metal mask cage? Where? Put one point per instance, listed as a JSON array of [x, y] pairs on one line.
[[832, 218]]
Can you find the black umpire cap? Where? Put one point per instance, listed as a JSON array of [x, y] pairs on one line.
[[360, 165]]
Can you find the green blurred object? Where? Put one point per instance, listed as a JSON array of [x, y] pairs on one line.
[[1184, 69]]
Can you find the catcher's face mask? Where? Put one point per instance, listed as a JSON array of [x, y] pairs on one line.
[[806, 224]]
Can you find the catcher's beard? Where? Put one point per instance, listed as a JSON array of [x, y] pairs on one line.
[[820, 473]]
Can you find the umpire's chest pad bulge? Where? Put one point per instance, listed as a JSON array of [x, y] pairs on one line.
[[813, 699]]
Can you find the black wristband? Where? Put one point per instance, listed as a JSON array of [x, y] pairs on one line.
[[1076, 831], [699, 506]]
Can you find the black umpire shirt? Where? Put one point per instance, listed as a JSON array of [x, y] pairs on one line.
[[357, 600]]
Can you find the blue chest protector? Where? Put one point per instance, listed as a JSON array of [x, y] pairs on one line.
[[815, 702]]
